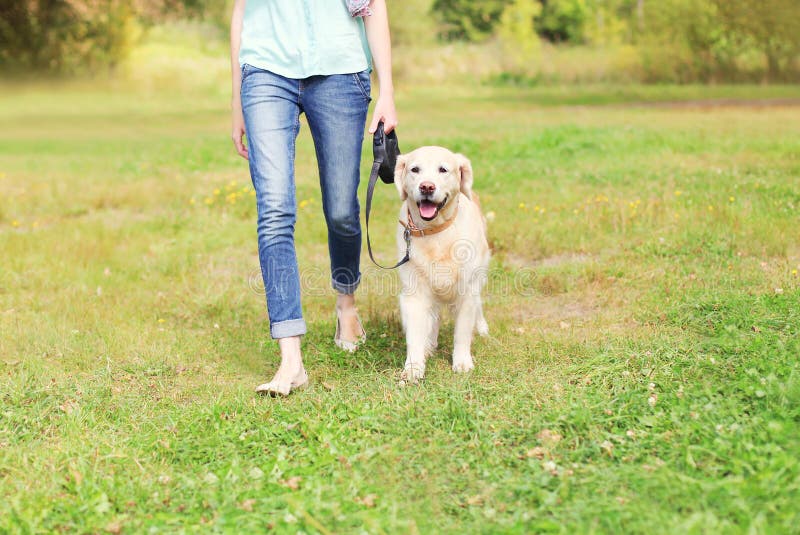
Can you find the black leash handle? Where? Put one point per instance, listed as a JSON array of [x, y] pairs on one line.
[[373, 178]]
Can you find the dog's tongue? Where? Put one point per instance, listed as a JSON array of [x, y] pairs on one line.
[[427, 209]]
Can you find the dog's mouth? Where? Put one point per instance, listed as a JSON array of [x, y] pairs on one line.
[[429, 210]]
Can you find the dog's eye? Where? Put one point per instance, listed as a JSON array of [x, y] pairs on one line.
[[442, 169], [415, 169]]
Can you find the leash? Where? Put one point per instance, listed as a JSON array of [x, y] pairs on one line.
[[373, 179], [385, 151]]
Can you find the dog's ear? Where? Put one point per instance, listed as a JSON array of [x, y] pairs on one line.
[[400, 176], [465, 174]]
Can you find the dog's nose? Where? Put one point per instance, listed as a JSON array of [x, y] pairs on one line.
[[427, 188]]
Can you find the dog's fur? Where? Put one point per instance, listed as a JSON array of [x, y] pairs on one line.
[[447, 268]]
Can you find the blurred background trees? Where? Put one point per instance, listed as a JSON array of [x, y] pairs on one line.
[[650, 40], [71, 36]]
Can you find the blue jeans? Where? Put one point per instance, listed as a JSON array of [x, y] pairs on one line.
[[336, 109]]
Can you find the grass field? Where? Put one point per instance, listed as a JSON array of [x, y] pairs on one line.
[[642, 370]]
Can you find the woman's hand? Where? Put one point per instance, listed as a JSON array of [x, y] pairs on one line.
[[238, 132], [384, 111]]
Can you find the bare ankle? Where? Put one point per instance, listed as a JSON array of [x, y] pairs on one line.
[[345, 302], [291, 353]]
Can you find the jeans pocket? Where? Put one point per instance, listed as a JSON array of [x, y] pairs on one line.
[[245, 70], [363, 83]]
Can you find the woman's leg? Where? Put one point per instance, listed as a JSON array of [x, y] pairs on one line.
[[336, 108], [271, 111]]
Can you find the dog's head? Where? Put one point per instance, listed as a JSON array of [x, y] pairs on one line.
[[432, 177]]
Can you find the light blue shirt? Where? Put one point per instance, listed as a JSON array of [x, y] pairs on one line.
[[302, 38]]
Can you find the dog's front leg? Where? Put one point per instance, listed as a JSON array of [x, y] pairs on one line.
[[466, 315], [418, 321]]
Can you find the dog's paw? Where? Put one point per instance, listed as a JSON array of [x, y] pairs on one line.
[[412, 374], [463, 365]]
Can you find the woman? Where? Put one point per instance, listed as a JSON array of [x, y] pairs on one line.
[[312, 57]]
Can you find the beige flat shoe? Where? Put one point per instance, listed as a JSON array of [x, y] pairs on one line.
[[275, 389], [348, 345]]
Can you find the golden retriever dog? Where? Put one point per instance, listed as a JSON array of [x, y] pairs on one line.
[[449, 255]]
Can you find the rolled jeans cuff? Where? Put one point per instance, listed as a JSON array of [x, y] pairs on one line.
[[285, 329], [343, 288]]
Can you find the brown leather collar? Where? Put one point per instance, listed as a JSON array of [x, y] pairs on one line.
[[414, 230]]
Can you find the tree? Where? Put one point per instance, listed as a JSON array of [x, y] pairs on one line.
[[65, 35], [516, 32], [563, 20], [770, 26], [471, 20]]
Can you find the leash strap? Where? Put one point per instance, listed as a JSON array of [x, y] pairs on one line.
[[373, 178]]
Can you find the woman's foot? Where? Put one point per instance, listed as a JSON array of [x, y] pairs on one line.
[[291, 374], [349, 331]]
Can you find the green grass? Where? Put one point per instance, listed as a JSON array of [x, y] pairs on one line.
[[641, 375]]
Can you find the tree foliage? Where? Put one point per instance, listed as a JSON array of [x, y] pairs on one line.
[[65, 35], [472, 20], [68, 36], [678, 40], [675, 40], [563, 20], [769, 26]]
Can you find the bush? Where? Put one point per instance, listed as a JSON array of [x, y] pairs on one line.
[[719, 40], [769, 27], [563, 20], [65, 36], [71, 36], [471, 20], [517, 35]]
